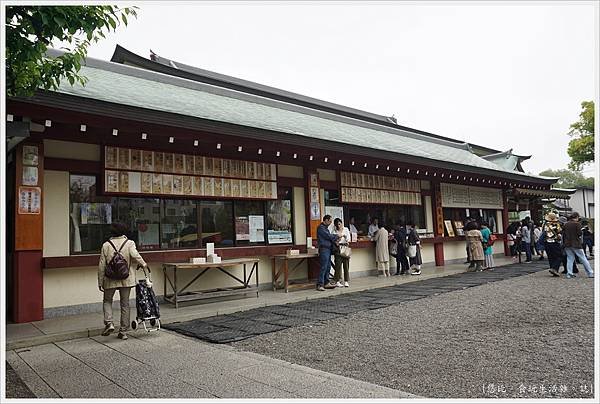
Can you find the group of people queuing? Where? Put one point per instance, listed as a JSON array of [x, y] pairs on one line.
[[558, 237], [563, 241], [399, 241], [480, 253]]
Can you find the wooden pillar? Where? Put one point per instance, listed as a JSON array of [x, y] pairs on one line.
[[438, 223], [28, 286], [505, 222]]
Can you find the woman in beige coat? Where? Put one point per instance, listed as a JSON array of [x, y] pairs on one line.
[[110, 286], [475, 240], [382, 251]]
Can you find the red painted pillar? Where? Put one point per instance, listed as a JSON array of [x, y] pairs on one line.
[[505, 222], [28, 281], [438, 223]]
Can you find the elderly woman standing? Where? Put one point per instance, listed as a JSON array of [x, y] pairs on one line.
[[475, 240], [382, 251], [488, 251], [118, 242]]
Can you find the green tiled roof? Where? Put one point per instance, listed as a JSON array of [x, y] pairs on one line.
[[136, 87]]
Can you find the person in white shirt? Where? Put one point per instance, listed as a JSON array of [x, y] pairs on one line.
[[352, 227], [341, 261], [373, 228]]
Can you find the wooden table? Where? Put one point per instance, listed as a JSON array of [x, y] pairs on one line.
[[284, 269], [224, 266]]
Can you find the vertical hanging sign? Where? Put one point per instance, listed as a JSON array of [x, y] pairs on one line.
[[314, 203], [29, 197]]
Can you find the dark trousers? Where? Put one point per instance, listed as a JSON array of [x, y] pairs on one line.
[[555, 256], [527, 248], [589, 243], [325, 261], [401, 261]]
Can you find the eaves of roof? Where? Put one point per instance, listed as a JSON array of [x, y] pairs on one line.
[[551, 193]]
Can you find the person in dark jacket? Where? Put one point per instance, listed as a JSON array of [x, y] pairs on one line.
[[588, 237], [414, 242], [552, 242], [401, 259], [325, 241], [573, 246], [563, 220]]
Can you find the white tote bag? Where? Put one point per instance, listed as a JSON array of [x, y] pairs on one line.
[[412, 251]]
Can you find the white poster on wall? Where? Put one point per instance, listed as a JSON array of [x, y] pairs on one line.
[[335, 212], [257, 228]]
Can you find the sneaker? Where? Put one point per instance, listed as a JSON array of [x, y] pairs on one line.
[[541, 258], [347, 285], [554, 272], [416, 272], [122, 336], [591, 275], [108, 330], [569, 276], [320, 288], [339, 284], [528, 262]]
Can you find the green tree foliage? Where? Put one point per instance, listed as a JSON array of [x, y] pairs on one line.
[[569, 178], [30, 30], [581, 147]]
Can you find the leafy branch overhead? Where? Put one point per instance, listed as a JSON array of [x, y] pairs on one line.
[[569, 178], [30, 31], [581, 147]]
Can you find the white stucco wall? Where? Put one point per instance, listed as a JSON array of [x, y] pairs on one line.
[[299, 216], [456, 250], [326, 175], [56, 213], [428, 214], [71, 150], [284, 170]]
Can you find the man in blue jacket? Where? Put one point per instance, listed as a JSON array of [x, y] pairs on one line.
[[325, 241]]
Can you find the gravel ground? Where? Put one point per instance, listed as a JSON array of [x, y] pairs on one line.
[[15, 388], [530, 336]]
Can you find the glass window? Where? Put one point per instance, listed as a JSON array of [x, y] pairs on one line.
[[179, 224], [387, 215], [249, 222], [279, 218], [216, 223], [332, 197], [90, 215], [458, 217], [142, 218]]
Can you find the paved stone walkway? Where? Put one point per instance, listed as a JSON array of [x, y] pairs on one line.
[[167, 365]]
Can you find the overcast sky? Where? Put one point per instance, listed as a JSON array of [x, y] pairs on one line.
[[501, 75]]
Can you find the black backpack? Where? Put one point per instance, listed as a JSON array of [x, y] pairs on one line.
[[117, 268]]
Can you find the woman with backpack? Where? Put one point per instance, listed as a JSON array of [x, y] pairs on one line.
[[116, 271]]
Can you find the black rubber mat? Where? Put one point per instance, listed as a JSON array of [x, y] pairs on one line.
[[247, 324]]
